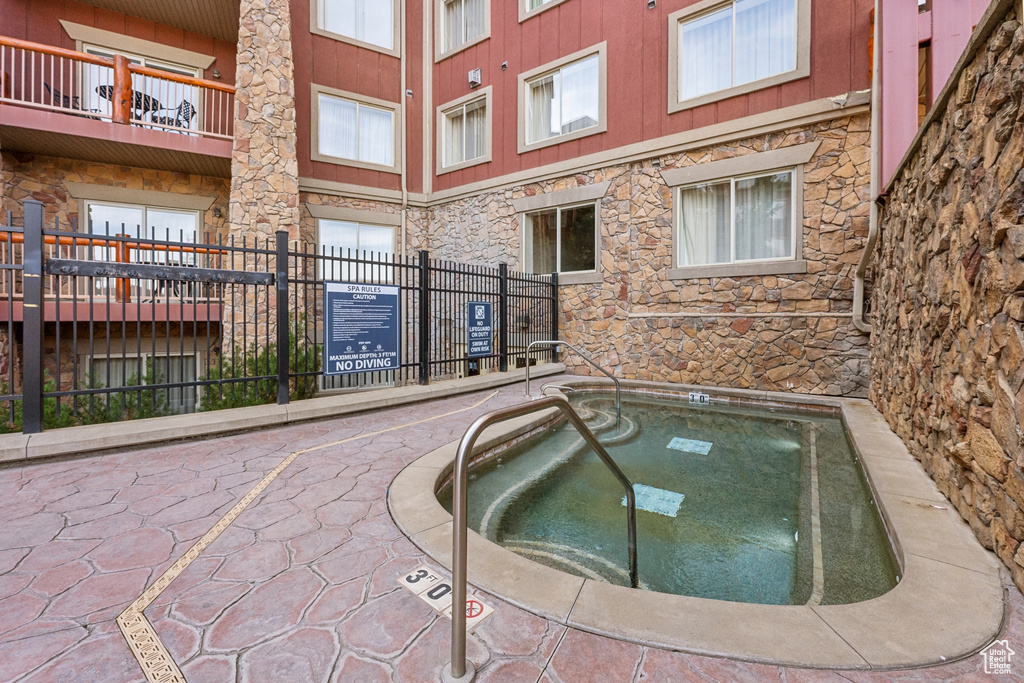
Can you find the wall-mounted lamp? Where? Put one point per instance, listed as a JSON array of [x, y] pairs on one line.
[[408, 93], [216, 73], [504, 66], [651, 4], [217, 213]]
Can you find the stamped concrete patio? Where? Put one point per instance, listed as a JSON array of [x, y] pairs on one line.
[[301, 586]]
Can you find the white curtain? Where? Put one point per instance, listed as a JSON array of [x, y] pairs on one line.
[[377, 22], [476, 129], [764, 217], [174, 369], [765, 38], [474, 10], [339, 16], [542, 242], [543, 109], [376, 136], [579, 96], [114, 372], [338, 240], [454, 137], [705, 54], [706, 224], [337, 130], [453, 24]]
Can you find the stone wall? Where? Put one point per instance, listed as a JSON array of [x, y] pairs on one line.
[[947, 349], [785, 332]]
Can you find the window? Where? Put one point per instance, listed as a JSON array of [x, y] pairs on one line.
[[368, 22], [464, 20], [133, 371], [719, 50], [145, 222], [162, 102], [356, 130], [341, 240], [529, 8], [739, 219], [562, 240], [464, 137], [565, 102]]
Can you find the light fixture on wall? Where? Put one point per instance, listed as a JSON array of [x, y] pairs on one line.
[[504, 66], [651, 4], [216, 73], [217, 213]]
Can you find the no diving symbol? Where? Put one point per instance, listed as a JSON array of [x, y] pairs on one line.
[[473, 609]]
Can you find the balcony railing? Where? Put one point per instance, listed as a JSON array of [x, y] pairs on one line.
[[118, 249], [80, 84]]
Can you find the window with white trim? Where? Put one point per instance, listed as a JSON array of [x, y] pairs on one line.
[[741, 42], [742, 219], [562, 239], [136, 371], [346, 245], [563, 101], [465, 132], [368, 21], [463, 20], [347, 129]]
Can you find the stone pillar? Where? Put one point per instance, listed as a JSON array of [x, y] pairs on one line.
[[264, 168]]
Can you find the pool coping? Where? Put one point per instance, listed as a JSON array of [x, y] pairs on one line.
[[948, 604]]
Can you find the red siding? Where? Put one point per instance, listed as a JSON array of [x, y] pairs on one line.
[[637, 73], [39, 21]]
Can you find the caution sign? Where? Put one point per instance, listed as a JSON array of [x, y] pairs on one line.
[[479, 329], [361, 328], [436, 591]]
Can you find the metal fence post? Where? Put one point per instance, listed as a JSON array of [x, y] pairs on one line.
[[554, 316], [32, 328], [503, 316], [424, 316], [283, 349]]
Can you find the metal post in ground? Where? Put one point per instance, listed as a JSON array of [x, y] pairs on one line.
[[503, 317], [424, 274], [554, 317], [32, 327], [281, 280]]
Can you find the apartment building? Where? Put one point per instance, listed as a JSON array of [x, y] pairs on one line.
[[698, 173]]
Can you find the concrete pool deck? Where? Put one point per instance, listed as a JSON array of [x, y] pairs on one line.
[[301, 584]]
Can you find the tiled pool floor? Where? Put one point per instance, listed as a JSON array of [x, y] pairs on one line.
[[302, 585]]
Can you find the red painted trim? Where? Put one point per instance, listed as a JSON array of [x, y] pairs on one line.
[[81, 126]]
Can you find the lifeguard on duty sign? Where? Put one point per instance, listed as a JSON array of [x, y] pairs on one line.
[[436, 591], [361, 328]]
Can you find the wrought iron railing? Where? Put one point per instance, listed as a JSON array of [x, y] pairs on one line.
[[113, 89]]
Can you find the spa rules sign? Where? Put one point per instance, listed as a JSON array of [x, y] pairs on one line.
[[360, 328]]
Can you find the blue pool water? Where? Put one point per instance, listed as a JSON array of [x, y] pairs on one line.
[[732, 503]]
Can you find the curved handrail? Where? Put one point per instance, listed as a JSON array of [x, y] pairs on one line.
[[556, 343], [457, 668]]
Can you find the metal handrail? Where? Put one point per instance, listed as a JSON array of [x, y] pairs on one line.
[[459, 669], [555, 343]]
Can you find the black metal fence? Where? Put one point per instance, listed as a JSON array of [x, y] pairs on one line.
[[109, 323]]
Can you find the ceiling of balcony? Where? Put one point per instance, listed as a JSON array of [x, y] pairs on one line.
[[217, 18]]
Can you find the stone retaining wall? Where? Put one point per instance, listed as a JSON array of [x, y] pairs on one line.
[[947, 350], [786, 332]]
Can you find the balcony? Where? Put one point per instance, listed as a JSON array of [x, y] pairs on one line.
[[63, 103]]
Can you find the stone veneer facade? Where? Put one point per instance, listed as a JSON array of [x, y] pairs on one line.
[[947, 349], [777, 332]]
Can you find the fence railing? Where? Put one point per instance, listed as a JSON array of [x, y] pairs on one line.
[[113, 89], [103, 328]]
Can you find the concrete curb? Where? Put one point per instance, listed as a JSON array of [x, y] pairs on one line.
[[73, 441]]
